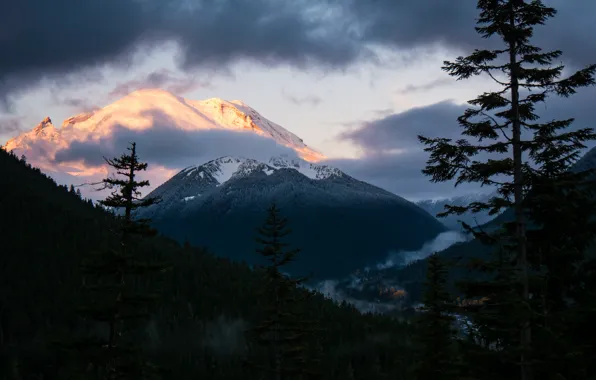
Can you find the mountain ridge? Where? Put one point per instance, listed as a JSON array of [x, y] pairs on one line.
[[341, 223], [152, 108]]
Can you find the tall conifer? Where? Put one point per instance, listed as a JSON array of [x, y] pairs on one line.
[[113, 286], [286, 332], [507, 118]]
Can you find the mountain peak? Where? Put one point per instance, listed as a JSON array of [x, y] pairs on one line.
[[43, 126], [156, 108], [46, 122], [223, 169]]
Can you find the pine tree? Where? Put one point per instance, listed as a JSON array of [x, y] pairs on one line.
[[286, 333], [113, 281], [519, 66], [434, 326], [127, 195]]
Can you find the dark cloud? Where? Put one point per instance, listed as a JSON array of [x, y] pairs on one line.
[[39, 38], [311, 100], [164, 79], [399, 131], [393, 157], [173, 148], [47, 39], [411, 24]]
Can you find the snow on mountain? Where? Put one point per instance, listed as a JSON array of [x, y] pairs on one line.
[[224, 168], [195, 181], [339, 222], [44, 131], [145, 109]]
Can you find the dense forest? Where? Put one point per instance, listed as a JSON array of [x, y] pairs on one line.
[[86, 293]]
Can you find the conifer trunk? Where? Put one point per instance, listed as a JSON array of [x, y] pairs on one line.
[[131, 177], [518, 178]]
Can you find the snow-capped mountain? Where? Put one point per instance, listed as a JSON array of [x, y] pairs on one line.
[[340, 223], [196, 181], [143, 110]]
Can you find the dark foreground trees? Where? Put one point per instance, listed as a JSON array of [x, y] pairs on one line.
[[436, 350], [285, 333], [116, 295], [518, 153]]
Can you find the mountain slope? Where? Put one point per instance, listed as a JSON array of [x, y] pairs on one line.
[[341, 224], [143, 110], [206, 304]]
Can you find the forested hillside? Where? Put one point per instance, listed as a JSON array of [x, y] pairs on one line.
[[207, 303]]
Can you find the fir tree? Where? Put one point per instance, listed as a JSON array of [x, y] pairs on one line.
[[434, 326], [113, 280], [127, 195], [503, 116], [286, 333]]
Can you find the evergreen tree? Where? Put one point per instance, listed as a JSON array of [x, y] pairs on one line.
[[114, 280], [509, 120], [286, 333], [434, 326], [127, 196]]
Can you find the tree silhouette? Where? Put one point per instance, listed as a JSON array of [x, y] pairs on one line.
[[504, 116], [113, 277], [285, 331]]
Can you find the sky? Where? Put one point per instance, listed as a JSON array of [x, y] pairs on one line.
[[357, 80]]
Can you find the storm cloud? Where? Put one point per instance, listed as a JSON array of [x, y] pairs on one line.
[[411, 24], [45, 40], [39, 39], [393, 158]]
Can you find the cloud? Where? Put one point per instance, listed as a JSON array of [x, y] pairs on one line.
[[360, 288], [85, 35], [411, 88], [166, 149], [80, 104], [311, 100], [88, 34], [393, 158], [173, 148], [440, 243], [164, 79], [399, 131], [451, 24], [10, 124]]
